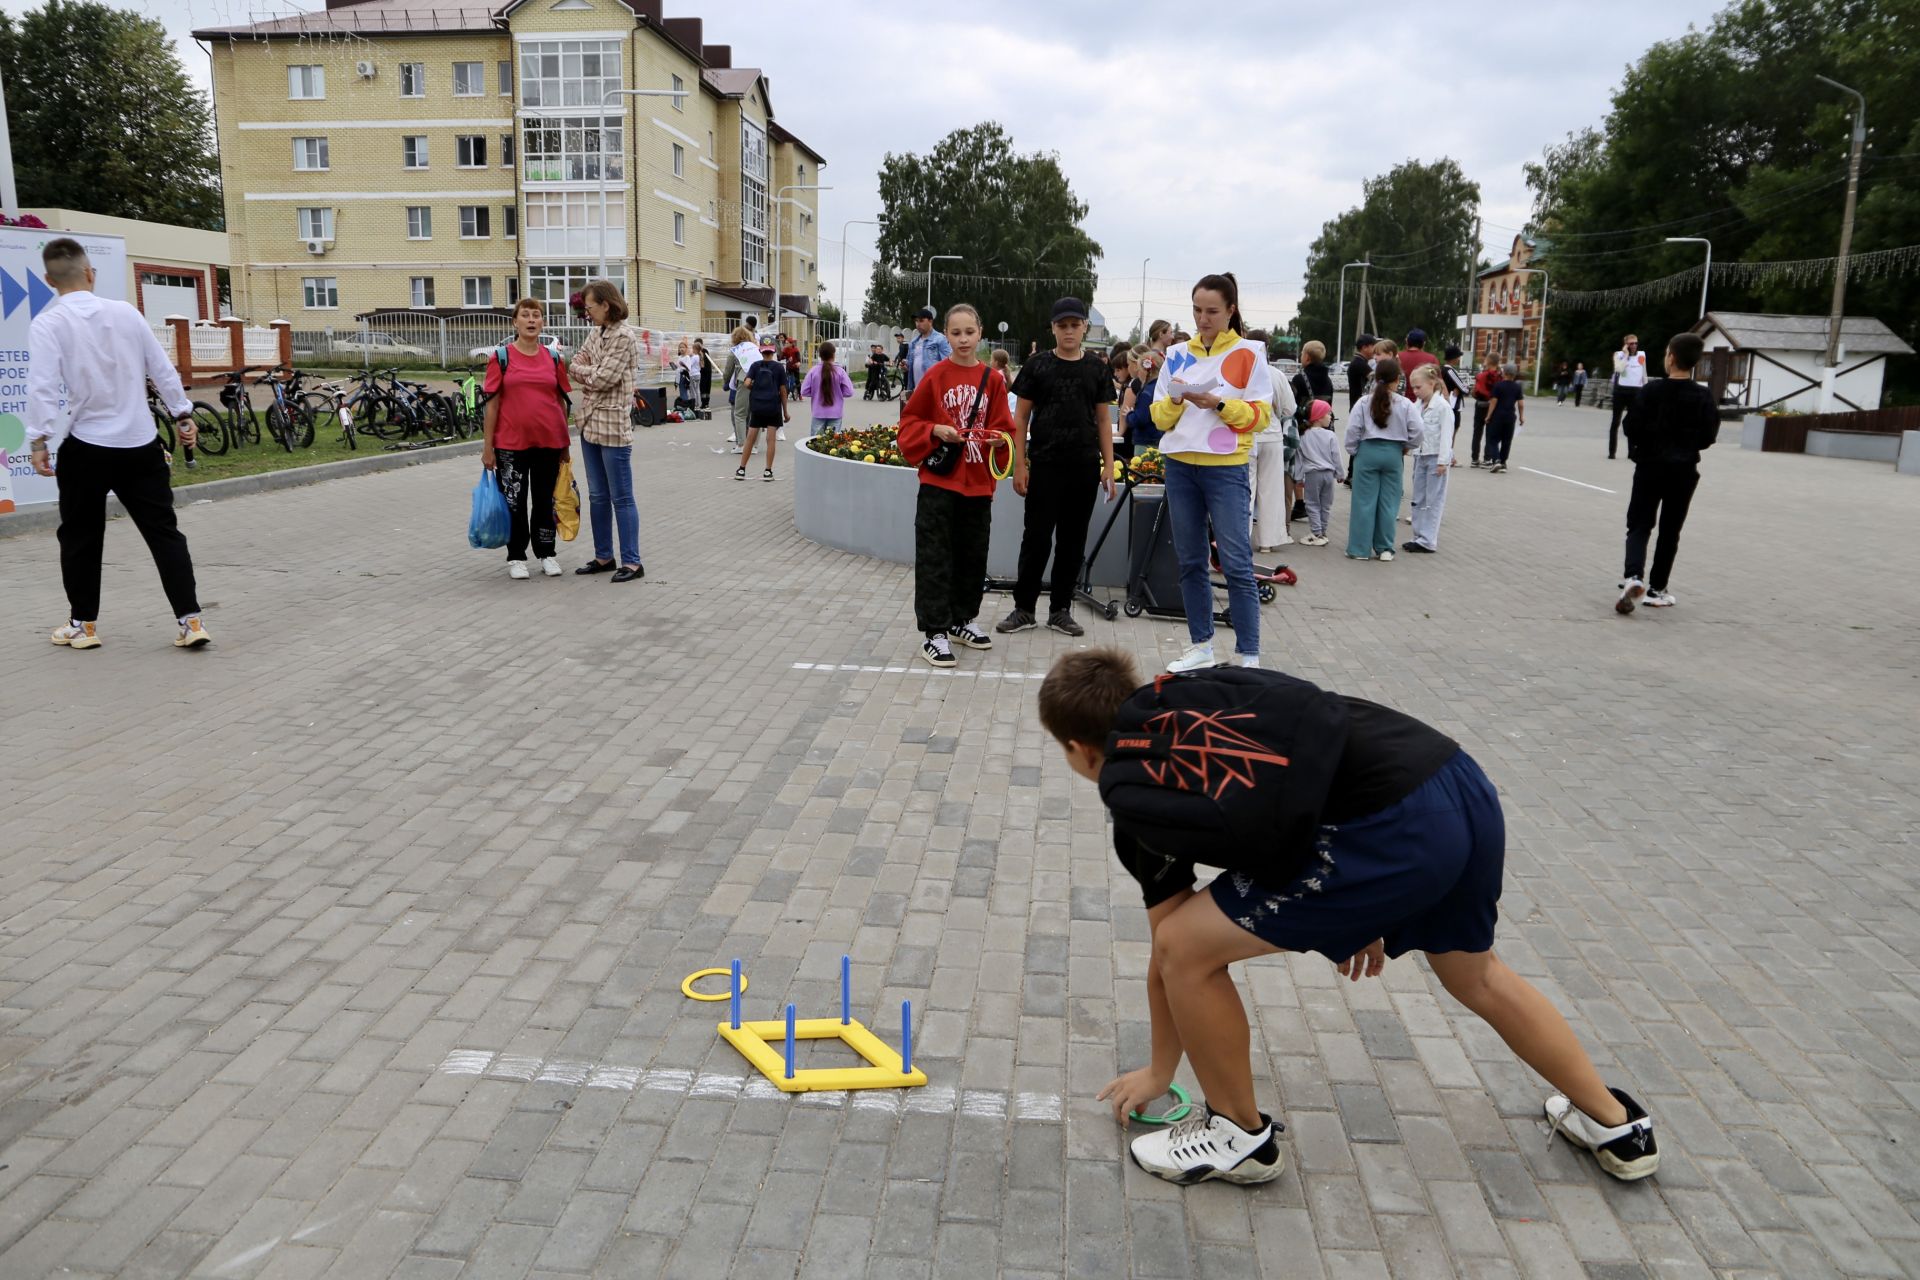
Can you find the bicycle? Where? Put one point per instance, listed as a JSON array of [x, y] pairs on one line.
[[287, 420], [236, 421], [163, 428], [325, 405], [397, 411]]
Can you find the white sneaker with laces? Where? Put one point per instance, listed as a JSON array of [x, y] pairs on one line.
[[969, 634], [1631, 592], [550, 567], [1246, 659], [517, 569], [1196, 657], [1627, 1151], [1386, 555], [77, 635], [937, 650], [1660, 600], [1208, 1147]]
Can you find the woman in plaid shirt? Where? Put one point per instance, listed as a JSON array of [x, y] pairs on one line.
[[603, 372]]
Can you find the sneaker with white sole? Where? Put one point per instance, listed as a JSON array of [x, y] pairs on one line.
[[1196, 657], [970, 635], [936, 650], [1313, 540], [1660, 600], [192, 634], [1061, 620], [1246, 659], [1631, 592], [1018, 620], [77, 635], [1210, 1147], [1627, 1151], [550, 567], [1385, 555], [517, 569]]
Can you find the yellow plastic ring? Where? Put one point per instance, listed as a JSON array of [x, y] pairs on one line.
[[993, 453], [686, 984]]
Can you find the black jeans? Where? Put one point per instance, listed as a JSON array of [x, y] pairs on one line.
[[1578, 389], [86, 473], [1623, 400], [950, 533], [1060, 497], [1499, 441], [1479, 425], [527, 478], [1662, 492]]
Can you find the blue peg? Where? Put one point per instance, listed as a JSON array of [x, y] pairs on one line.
[[733, 1004], [906, 1037], [846, 990], [789, 1042]]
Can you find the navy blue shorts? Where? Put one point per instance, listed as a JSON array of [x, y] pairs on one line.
[[1423, 873]]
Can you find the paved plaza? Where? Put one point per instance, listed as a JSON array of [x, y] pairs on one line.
[[352, 945]]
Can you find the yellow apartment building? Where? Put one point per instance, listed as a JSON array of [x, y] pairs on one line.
[[386, 154]]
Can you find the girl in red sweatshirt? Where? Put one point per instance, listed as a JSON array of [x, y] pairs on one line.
[[951, 430]]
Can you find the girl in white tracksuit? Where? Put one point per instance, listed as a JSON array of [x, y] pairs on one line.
[[1272, 456], [1431, 458]]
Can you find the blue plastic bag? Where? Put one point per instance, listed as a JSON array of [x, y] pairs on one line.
[[487, 526]]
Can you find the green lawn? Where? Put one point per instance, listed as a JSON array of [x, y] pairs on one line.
[[252, 459]]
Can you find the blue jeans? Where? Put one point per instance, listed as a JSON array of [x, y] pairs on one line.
[[1377, 478], [610, 500], [1222, 496]]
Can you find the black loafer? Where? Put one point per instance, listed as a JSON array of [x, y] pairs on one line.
[[624, 574], [596, 566]]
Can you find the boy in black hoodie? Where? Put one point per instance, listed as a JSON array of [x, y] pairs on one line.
[[1668, 425]]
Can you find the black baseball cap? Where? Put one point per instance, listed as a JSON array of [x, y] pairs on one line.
[[1069, 309], [1416, 337], [925, 313], [1365, 340], [1453, 352]]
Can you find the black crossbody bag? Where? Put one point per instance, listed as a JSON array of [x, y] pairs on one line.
[[946, 455]]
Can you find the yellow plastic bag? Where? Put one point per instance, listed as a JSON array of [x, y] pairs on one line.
[[566, 503]]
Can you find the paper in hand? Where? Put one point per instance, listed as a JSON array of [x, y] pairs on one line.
[[1179, 390]]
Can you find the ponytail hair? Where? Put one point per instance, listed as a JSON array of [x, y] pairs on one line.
[[1386, 376], [1229, 290], [826, 370]]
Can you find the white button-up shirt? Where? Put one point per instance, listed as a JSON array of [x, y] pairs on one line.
[[103, 352]]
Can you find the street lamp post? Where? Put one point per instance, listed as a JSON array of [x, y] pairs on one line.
[[1141, 324], [779, 198], [601, 129], [1340, 325], [844, 227], [1706, 278], [1540, 352], [938, 257], [1830, 373]]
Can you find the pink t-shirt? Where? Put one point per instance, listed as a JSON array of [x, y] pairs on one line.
[[531, 415]]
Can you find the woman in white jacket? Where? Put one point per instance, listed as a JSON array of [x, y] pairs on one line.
[[1431, 458], [1272, 469]]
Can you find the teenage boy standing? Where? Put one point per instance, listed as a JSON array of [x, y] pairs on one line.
[[1064, 398], [1506, 413], [1629, 375], [927, 349], [1670, 422], [1360, 369]]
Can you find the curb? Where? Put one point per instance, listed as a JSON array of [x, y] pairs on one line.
[[47, 515]]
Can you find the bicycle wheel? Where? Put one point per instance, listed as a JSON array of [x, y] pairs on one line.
[[163, 427], [280, 427], [321, 411], [347, 432], [441, 418], [212, 427], [378, 416], [302, 423]]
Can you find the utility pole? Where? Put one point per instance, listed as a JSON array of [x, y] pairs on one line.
[[1473, 271], [1830, 374], [1142, 324], [1360, 315]]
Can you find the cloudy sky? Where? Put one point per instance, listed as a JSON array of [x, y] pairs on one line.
[[1208, 145]]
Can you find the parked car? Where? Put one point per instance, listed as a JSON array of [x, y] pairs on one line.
[[547, 340], [383, 347]]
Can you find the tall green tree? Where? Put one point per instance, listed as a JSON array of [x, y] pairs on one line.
[[103, 118], [1415, 222], [1005, 214], [1725, 133]]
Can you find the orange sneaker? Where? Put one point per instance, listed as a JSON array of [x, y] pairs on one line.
[[77, 635]]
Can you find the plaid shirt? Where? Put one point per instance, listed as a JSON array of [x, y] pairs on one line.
[[602, 372]]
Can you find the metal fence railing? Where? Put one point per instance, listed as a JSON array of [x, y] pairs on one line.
[[423, 339]]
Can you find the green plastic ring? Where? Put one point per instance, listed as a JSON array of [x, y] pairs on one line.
[[1174, 1116]]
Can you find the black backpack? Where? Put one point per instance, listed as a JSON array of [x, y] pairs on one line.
[[767, 384], [1229, 767]]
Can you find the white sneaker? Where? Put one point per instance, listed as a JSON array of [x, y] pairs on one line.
[[1631, 591], [1246, 660], [1210, 1146], [1628, 1152], [550, 567], [1196, 657], [517, 569], [1660, 600], [1386, 555], [1313, 540]]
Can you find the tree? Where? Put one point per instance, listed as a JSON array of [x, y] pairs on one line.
[[103, 118], [1005, 214], [1415, 222], [828, 313]]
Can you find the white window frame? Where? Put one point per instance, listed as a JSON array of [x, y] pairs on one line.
[[308, 75], [325, 288], [503, 71], [553, 72], [679, 227], [416, 72], [466, 146], [425, 222], [476, 291], [753, 203], [509, 149], [413, 147], [555, 282], [315, 222], [510, 222], [679, 103], [679, 161], [420, 291], [476, 80], [679, 295], [566, 224], [319, 149], [480, 217], [555, 149]]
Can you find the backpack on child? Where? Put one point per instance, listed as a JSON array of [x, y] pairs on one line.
[[766, 386], [1228, 767]]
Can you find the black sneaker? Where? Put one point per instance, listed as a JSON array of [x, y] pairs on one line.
[[1018, 620], [970, 635], [1628, 1152], [1061, 620], [1416, 548], [936, 650]]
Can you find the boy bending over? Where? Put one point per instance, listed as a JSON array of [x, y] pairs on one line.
[[1342, 827]]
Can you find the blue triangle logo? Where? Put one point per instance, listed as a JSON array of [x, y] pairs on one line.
[[38, 295], [12, 294]]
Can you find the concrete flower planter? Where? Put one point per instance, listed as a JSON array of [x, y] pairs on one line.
[[868, 509]]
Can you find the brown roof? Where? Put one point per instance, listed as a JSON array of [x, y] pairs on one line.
[[783, 134], [1862, 335], [732, 82]]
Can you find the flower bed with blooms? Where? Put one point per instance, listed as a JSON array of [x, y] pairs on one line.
[[1148, 467], [875, 444]]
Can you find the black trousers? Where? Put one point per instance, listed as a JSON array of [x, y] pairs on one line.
[[950, 533], [1623, 400], [1500, 440], [1662, 493], [1060, 497], [1480, 408], [527, 478], [1578, 389], [86, 474]]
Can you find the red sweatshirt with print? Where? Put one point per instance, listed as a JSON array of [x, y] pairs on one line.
[[946, 394]]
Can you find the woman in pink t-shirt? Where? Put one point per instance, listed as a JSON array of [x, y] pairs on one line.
[[526, 436]]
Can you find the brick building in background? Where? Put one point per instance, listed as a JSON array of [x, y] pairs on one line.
[[386, 154]]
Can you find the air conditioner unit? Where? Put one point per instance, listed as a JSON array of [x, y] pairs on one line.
[[316, 247], [366, 70]]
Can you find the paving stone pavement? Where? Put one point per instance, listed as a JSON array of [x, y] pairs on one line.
[[352, 945]]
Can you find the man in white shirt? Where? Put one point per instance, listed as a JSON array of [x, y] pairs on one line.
[[1629, 375], [99, 353]]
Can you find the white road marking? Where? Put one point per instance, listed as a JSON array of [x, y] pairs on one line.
[[1549, 475]]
